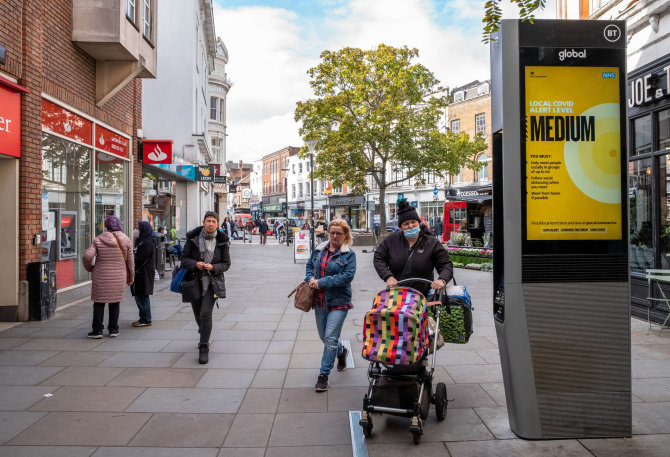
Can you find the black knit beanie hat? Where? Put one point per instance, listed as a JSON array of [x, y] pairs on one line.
[[406, 212]]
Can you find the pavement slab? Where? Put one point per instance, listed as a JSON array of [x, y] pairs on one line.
[[636, 446], [183, 400], [154, 452], [303, 400], [76, 359], [25, 358], [158, 377], [184, 430], [13, 423], [260, 401], [83, 376], [506, 448], [55, 451], [26, 376], [227, 378], [250, 430], [83, 429], [310, 429], [21, 398], [87, 398]]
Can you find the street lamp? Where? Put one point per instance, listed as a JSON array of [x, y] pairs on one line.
[[285, 170], [311, 144]]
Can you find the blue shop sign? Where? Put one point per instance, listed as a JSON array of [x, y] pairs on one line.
[[186, 171]]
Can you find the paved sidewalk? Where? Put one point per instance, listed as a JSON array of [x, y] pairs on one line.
[[144, 393]]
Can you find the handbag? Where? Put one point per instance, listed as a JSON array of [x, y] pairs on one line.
[[123, 253], [269, 232], [177, 277], [304, 297]]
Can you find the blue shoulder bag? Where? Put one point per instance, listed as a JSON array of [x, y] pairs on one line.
[[177, 277]]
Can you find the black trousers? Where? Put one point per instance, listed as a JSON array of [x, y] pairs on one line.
[[202, 310], [99, 314]]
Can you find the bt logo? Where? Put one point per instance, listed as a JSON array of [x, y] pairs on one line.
[[612, 33], [565, 54]]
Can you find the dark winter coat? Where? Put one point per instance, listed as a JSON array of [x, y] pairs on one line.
[[429, 254], [220, 262], [263, 227], [145, 267]]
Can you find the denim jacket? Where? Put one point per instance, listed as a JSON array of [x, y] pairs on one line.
[[339, 274]]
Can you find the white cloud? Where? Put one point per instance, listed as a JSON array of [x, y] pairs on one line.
[[270, 50]]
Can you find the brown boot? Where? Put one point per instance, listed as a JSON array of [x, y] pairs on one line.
[[203, 348]]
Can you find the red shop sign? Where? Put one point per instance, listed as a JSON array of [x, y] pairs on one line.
[[10, 122], [157, 151], [64, 122], [111, 142]]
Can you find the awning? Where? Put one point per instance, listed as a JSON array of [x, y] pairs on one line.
[[470, 198]]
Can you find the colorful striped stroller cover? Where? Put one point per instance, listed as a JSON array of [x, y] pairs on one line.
[[396, 330]]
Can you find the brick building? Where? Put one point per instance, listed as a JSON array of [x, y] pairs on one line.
[[274, 187], [70, 82]]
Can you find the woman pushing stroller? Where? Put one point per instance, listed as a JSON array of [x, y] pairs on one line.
[[412, 252]]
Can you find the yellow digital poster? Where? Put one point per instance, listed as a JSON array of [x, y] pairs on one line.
[[573, 153]]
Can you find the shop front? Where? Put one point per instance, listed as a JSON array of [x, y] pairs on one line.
[[649, 180], [353, 208], [164, 196], [10, 152], [85, 179], [274, 206], [296, 209], [468, 215], [320, 208]]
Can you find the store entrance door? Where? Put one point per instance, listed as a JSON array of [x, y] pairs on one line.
[[9, 227]]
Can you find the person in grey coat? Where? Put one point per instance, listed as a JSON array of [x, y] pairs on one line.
[[206, 256]]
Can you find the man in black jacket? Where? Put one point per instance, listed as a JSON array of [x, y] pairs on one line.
[[412, 252], [263, 231], [206, 256]]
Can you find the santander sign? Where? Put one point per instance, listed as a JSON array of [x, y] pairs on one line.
[[157, 151], [10, 122]]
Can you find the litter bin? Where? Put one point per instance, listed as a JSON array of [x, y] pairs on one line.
[[160, 253], [41, 290]]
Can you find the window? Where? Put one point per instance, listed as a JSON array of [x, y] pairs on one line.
[[664, 220], [456, 126], [307, 166], [216, 148], [640, 207], [130, 10], [483, 173], [222, 110], [299, 190], [146, 19], [480, 124], [483, 89], [459, 96], [293, 168], [293, 191], [307, 189], [213, 102], [642, 135], [664, 129], [300, 168]]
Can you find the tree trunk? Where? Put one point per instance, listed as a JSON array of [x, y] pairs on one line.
[[382, 209]]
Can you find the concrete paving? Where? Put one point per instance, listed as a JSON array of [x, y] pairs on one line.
[[144, 393]]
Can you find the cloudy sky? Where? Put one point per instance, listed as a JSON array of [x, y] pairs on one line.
[[272, 44]]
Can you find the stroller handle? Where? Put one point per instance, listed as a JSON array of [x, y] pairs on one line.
[[440, 292]]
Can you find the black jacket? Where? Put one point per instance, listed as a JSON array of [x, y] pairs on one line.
[[145, 268], [220, 262], [263, 227], [429, 255]]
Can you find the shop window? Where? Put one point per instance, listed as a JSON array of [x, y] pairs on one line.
[[66, 179], [299, 190], [664, 129], [483, 173], [642, 135], [664, 221], [456, 126], [222, 110], [639, 200]]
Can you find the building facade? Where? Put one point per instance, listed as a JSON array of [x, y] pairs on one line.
[[70, 110], [648, 111], [219, 85], [176, 107], [275, 176]]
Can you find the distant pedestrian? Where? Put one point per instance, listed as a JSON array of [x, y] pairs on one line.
[[143, 286], [346, 219], [110, 261], [438, 228], [330, 271], [248, 230], [263, 231], [206, 256], [227, 227]]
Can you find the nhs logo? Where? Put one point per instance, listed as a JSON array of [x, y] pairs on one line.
[[609, 75]]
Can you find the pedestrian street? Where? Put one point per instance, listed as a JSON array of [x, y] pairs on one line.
[[145, 394]]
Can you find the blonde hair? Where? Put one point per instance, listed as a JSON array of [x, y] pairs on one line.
[[345, 227]]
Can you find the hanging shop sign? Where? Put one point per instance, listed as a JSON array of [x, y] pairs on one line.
[[186, 171], [346, 201], [232, 188], [56, 119], [10, 122], [220, 179], [157, 151], [204, 173], [111, 142]]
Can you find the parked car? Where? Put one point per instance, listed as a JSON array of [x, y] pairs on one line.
[[392, 225]]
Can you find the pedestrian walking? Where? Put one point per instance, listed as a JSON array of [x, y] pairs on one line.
[[207, 257], [110, 261], [227, 227], [438, 228], [248, 230], [345, 219], [145, 267], [330, 270], [263, 231]]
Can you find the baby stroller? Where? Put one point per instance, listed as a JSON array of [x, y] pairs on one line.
[[397, 343]]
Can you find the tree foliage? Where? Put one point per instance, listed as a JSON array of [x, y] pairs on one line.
[[376, 111], [493, 14]]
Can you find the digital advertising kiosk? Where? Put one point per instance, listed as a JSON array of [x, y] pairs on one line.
[[561, 289]]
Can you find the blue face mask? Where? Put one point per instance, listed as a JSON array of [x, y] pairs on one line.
[[413, 232]]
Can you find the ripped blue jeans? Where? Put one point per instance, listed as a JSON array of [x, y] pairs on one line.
[[329, 324]]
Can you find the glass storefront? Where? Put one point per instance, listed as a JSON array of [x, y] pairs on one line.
[[159, 204], [640, 210], [110, 198], [431, 210]]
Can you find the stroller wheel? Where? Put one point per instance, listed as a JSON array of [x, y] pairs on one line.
[[366, 424], [416, 429], [441, 401]]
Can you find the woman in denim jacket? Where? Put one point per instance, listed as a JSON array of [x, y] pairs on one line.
[[330, 270]]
